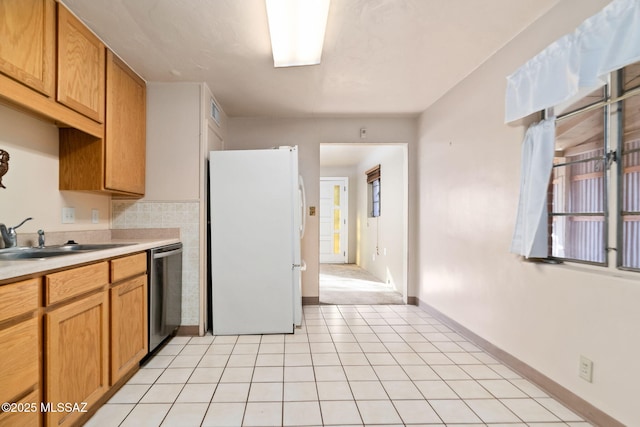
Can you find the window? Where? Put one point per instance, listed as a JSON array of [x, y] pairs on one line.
[[594, 143], [629, 170], [577, 212], [373, 183]]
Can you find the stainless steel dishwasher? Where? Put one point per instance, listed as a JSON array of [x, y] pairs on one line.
[[164, 293]]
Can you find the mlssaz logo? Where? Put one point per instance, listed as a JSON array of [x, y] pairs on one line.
[[63, 407]]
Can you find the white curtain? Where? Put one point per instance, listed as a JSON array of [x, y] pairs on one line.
[[576, 63], [547, 79], [530, 238]]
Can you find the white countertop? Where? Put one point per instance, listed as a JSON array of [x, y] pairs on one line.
[[26, 267]]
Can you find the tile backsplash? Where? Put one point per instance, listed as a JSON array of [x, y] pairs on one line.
[[183, 215]]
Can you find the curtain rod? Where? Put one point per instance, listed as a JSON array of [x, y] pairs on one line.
[[600, 104]]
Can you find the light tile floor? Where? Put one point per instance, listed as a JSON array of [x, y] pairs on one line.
[[351, 284], [347, 365]]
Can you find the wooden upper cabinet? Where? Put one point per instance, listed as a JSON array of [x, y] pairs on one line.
[[27, 47], [115, 163], [81, 67], [125, 128]]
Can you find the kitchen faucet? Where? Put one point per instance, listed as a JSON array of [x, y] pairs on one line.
[[41, 238], [10, 236]]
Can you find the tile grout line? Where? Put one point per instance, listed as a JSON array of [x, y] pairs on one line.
[[345, 318]]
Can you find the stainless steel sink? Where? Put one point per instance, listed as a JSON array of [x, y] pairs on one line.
[[74, 247], [28, 253], [12, 254]]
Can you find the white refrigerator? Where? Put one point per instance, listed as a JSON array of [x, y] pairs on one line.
[[257, 220]]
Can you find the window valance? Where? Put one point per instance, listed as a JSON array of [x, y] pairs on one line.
[[576, 63], [373, 174]]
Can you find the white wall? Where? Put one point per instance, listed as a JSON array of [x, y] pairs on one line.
[[545, 315], [173, 141], [382, 247], [308, 134], [32, 180], [177, 116]]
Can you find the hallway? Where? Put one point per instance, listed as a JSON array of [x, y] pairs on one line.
[[350, 284]]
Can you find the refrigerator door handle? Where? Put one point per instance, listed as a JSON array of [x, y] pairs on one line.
[[302, 267], [304, 206]]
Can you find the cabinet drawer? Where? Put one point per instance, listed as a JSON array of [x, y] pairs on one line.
[[129, 266], [28, 414], [69, 283], [19, 359], [18, 298]]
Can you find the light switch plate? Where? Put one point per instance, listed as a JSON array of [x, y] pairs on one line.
[[586, 369], [95, 216], [68, 215]]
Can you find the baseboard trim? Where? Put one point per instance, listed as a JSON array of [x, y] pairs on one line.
[[188, 330], [310, 300], [412, 300], [578, 405]]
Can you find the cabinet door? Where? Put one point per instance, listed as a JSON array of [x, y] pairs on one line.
[[29, 416], [128, 326], [125, 128], [81, 62], [76, 355], [19, 360], [27, 50]]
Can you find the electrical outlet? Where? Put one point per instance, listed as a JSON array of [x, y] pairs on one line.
[[68, 215], [95, 216], [586, 369]]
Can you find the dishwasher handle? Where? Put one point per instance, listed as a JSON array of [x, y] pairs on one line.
[[166, 251]]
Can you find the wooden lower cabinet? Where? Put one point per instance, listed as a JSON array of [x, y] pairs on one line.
[[68, 339], [128, 326], [20, 372], [76, 355], [26, 412], [20, 353], [19, 359]]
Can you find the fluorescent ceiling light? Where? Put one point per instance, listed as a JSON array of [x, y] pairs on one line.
[[297, 31]]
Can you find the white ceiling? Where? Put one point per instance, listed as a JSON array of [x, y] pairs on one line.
[[380, 56]]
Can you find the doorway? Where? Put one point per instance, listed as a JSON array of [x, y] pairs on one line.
[[366, 262]]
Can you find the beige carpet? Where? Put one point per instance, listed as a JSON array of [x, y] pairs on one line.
[[350, 284]]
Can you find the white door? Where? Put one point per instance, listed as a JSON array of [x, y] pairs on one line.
[[333, 220]]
